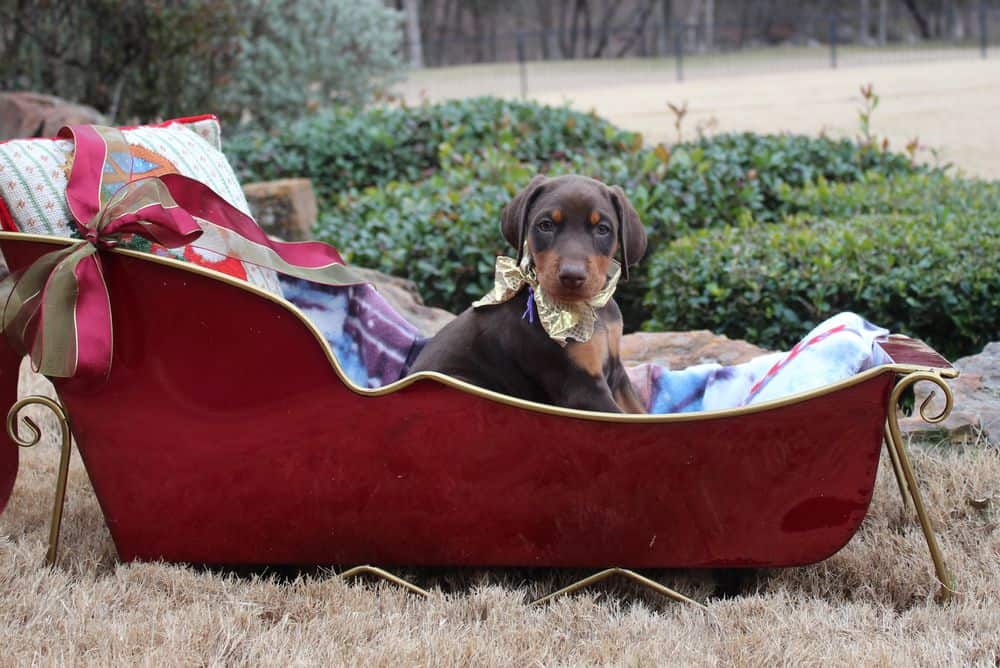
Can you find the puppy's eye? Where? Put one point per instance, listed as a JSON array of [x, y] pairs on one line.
[[603, 229], [546, 225]]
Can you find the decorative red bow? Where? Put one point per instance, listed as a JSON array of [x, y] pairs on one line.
[[58, 310]]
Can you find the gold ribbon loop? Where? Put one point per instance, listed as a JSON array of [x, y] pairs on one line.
[[562, 321]]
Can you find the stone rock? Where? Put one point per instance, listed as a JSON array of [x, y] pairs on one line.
[[25, 114], [977, 400], [679, 350], [285, 208], [403, 295]]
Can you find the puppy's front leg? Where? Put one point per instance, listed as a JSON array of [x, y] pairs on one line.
[[588, 393], [623, 391]]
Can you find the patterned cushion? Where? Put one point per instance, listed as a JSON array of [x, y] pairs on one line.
[[34, 174]]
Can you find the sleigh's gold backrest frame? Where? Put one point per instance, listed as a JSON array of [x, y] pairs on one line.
[[907, 374]]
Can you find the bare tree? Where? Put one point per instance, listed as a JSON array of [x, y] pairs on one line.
[[883, 20], [919, 18], [864, 21], [666, 19], [569, 30], [605, 25], [413, 38], [709, 24], [544, 11], [639, 19]]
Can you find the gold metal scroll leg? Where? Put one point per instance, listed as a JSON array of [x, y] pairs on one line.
[[385, 575], [897, 470], [631, 575], [36, 436], [895, 443]]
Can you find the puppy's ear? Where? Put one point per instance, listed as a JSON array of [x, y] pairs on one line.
[[514, 218], [631, 233]]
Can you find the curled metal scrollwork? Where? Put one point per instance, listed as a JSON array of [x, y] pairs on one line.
[[34, 439], [912, 379], [901, 461]]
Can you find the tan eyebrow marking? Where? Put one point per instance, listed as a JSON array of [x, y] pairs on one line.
[[557, 216], [595, 218]]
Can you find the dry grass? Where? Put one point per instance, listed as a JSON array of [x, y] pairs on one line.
[[871, 604]]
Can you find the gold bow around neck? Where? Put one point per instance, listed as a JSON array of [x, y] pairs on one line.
[[562, 321]]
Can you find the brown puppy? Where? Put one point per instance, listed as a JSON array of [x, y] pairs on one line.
[[571, 227]]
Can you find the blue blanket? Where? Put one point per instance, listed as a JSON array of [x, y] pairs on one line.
[[838, 348]]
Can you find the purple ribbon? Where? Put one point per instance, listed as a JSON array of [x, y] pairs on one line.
[[529, 311]]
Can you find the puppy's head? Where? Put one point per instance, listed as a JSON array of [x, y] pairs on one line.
[[573, 226]]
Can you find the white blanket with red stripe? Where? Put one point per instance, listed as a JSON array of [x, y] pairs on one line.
[[839, 348]]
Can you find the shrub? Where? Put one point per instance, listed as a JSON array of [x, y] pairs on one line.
[[131, 60], [389, 177], [714, 181], [927, 271], [877, 192], [443, 231], [341, 149], [778, 163], [306, 55], [139, 61], [734, 178], [394, 170]]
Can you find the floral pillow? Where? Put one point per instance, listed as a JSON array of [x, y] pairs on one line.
[[34, 174]]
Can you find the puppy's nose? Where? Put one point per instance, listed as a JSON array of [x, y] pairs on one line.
[[572, 276]]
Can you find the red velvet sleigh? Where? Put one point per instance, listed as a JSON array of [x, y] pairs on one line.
[[252, 447], [228, 432]]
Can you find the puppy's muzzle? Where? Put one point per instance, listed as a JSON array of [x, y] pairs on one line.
[[572, 275]]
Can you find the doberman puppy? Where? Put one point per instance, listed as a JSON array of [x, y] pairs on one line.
[[571, 228]]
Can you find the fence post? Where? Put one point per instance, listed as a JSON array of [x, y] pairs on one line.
[[679, 51], [834, 25], [984, 37], [522, 66]]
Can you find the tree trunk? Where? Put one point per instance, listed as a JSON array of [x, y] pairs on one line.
[[883, 20], [693, 11], [459, 31], [428, 21], [958, 23], [478, 33], [606, 26], [923, 27], [639, 20], [564, 46], [709, 24], [571, 36], [666, 23], [864, 21], [544, 10], [744, 25], [587, 25], [416, 49]]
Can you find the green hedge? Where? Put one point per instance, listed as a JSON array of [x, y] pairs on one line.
[[925, 193], [343, 149], [417, 192], [709, 182], [715, 182], [732, 178], [443, 231], [919, 255]]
